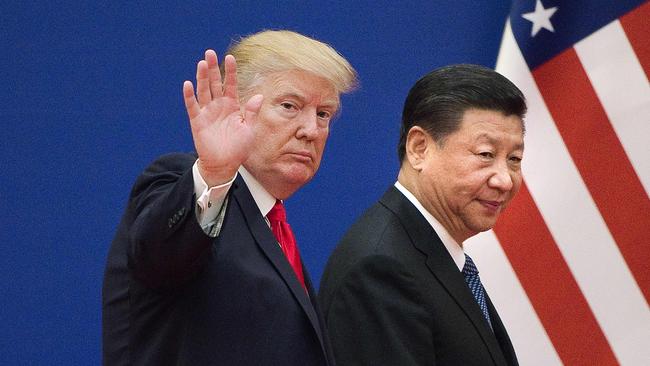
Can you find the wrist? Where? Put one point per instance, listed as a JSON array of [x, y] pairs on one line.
[[216, 176]]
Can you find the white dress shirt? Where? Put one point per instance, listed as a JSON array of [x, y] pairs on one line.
[[454, 249], [211, 202]]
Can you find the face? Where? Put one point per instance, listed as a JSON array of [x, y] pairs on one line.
[[469, 180], [291, 130]]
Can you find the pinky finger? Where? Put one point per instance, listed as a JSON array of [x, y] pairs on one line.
[[191, 105]]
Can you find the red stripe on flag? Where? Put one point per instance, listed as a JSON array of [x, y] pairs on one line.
[[637, 29], [600, 158], [552, 290]]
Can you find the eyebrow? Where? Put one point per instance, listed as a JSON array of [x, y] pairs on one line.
[[330, 103], [494, 141]]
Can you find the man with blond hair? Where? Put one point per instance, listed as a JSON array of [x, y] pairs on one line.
[[204, 269]]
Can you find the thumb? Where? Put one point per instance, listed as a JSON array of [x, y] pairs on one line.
[[252, 108]]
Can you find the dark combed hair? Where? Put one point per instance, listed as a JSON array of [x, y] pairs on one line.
[[438, 100]]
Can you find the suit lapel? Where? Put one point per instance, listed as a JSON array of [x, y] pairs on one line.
[[441, 265], [501, 334], [269, 245], [322, 334]]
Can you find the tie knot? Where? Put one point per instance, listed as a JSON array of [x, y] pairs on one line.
[[469, 269], [277, 213]]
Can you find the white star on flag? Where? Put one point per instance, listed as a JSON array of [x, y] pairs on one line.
[[541, 18]]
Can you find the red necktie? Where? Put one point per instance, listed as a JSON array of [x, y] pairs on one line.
[[278, 219]]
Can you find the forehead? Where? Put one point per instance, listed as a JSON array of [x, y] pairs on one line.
[[300, 84], [478, 125]]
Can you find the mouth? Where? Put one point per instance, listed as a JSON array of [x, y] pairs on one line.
[[301, 155], [492, 206]]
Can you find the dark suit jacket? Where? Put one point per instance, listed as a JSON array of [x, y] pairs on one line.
[[392, 295], [174, 296]]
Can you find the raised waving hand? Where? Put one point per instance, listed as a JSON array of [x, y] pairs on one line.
[[222, 130]]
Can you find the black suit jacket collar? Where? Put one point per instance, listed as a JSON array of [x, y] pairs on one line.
[[443, 268], [269, 245]]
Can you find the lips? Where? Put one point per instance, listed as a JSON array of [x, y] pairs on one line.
[[302, 155], [493, 206]]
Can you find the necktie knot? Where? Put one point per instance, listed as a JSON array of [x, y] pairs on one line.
[[277, 213], [469, 269], [282, 231]]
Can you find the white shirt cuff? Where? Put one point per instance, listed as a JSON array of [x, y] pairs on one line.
[[208, 200]]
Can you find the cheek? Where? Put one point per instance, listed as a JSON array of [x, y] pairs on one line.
[[272, 138], [271, 125], [471, 182], [319, 142], [517, 180]]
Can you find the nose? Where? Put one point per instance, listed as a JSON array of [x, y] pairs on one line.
[[502, 178], [308, 126]]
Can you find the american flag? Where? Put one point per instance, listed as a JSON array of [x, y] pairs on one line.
[[568, 264]]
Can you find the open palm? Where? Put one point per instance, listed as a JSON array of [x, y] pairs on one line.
[[222, 131]]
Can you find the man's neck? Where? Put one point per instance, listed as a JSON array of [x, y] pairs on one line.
[[408, 178], [262, 197]]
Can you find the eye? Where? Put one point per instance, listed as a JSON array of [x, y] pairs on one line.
[[324, 115], [486, 154], [288, 106], [515, 159]]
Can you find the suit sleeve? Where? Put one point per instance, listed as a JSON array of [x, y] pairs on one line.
[[376, 317], [167, 246]]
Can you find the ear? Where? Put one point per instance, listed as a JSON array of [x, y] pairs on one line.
[[418, 142]]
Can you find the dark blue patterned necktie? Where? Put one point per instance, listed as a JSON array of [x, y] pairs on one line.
[[474, 282]]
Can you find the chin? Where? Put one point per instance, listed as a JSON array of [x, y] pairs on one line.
[[480, 226], [298, 181], [298, 174]]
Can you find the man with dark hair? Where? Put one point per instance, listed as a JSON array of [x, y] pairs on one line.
[[399, 289]]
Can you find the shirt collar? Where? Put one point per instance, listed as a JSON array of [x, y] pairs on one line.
[[262, 197], [454, 249]]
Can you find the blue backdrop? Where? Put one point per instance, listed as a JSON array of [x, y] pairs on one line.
[[92, 93]]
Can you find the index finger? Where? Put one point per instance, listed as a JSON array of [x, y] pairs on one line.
[[191, 105]]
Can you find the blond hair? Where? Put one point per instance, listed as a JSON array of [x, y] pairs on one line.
[[268, 51]]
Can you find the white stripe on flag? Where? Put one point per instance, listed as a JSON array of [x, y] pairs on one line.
[[624, 91], [531, 343], [575, 223]]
